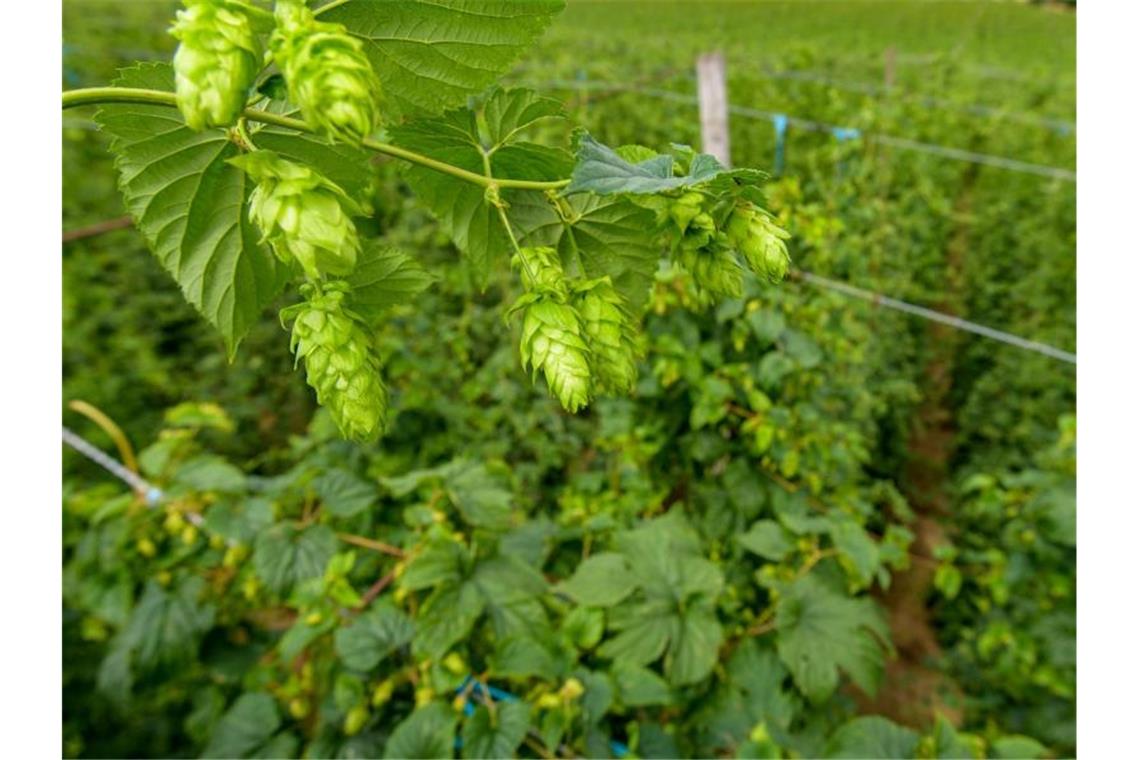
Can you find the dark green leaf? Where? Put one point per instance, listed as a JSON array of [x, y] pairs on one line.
[[373, 636], [383, 278], [601, 580], [871, 737], [498, 735], [344, 494], [768, 539], [167, 626], [284, 555], [246, 727], [429, 732]]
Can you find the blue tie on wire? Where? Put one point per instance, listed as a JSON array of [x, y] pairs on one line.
[[619, 749], [780, 124], [845, 133]]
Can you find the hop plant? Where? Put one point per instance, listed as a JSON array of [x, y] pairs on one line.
[[327, 74], [552, 331], [305, 216], [611, 333], [340, 358], [760, 241], [714, 269], [217, 59]]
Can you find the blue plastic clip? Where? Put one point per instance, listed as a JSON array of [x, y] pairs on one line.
[[845, 133], [780, 124]]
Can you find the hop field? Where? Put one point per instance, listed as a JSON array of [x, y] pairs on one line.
[[735, 517]]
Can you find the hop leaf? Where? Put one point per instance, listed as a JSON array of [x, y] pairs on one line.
[[340, 360], [327, 74], [552, 342], [304, 216], [216, 62], [611, 333], [760, 241]]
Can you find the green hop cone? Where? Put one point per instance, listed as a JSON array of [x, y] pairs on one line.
[[340, 358], [760, 241], [327, 74], [552, 342], [611, 333], [685, 209], [218, 58], [714, 269], [305, 217], [541, 270]]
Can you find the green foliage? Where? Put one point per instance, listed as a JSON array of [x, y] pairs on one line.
[[651, 571]]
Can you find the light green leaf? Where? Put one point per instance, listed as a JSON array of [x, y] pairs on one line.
[[822, 631], [191, 207], [429, 732], [455, 138], [601, 580], [284, 555], [858, 549], [694, 648], [383, 278], [495, 736], [524, 657], [1017, 748], [768, 539], [246, 727], [438, 562], [210, 473], [431, 54], [639, 686], [871, 737], [241, 520], [344, 494], [373, 636]]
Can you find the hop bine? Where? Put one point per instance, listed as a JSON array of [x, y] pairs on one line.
[[217, 59], [303, 215], [552, 332], [701, 250], [611, 333], [341, 362], [760, 241], [327, 74]]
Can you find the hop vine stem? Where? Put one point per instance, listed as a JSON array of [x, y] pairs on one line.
[[107, 95]]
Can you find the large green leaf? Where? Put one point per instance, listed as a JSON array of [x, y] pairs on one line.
[[768, 539], [284, 555], [871, 737], [487, 735], [429, 732], [247, 729], [822, 631], [373, 636], [602, 170], [456, 138], [343, 493], [601, 580], [191, 207], [431, 54], [599, 237], [384, 277], [167, 626]]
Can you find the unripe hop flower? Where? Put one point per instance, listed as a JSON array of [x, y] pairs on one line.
[[760, 241], [552, 342], [303, 215], [714, 269], [341, 362], [611, 334], [327, 74], [541, 269], [216, 62]]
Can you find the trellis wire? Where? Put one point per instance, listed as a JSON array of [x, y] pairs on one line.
[[840, 131], [935, 316], [152, 494]]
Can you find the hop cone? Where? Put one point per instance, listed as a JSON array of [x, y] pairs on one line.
[[216, 62], [685, 209], [714, 269], [327, 74], [541, 270], [760, 241], [611, 333], [340, 361], [303, 215], [552, 342]]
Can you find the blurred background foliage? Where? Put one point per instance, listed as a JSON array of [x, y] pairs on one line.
[[938, 457]]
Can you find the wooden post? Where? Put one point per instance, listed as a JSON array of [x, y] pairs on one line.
[[889, 67], [713, 93]]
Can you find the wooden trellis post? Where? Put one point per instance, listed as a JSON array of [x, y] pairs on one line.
[[712, 90]]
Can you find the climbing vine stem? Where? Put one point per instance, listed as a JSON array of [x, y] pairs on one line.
[[104, 95]]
